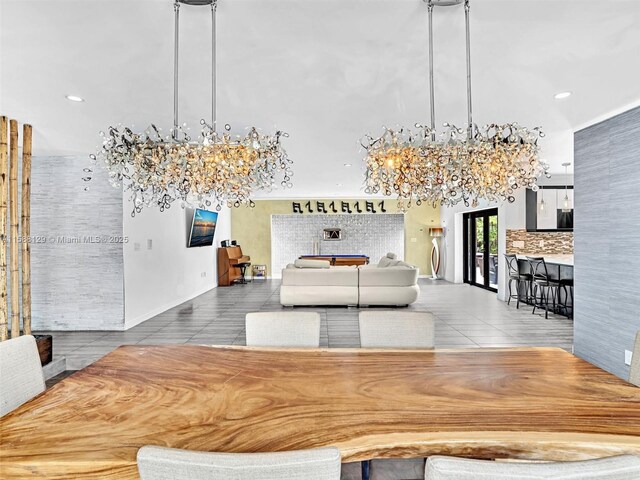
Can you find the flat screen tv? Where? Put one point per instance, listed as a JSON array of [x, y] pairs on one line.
[[203, 228]]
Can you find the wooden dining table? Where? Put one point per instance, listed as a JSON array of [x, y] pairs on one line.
[[526, 403]]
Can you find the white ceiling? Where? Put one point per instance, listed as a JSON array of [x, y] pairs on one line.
[[326, 71]]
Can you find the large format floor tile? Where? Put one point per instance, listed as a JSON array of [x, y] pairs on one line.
[[465, 317]]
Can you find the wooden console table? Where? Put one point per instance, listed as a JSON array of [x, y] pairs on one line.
[[530, 403]]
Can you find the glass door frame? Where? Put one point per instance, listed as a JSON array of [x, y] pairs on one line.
[[470, 240]]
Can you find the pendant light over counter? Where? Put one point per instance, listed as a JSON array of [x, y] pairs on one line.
[[215, 170], [566, 203]]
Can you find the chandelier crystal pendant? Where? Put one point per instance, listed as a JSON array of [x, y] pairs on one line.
[[460, 164], [217, 169]]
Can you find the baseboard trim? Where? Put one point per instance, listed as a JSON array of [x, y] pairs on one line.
[[130, 323], [54, 367]]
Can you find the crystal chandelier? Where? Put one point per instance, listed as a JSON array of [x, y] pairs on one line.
[[458, 165], [217, 169]]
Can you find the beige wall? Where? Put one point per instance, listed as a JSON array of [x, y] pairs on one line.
[[251, 227]]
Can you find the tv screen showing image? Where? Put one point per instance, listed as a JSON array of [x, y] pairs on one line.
[[203, 228]]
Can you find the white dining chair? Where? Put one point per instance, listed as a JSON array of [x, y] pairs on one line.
[[402, 330], [283, 329], [634, 372], [393, 329], [21, 376], [624, 467], [160, 463]]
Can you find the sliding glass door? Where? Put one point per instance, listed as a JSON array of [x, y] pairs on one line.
[[481, 248]]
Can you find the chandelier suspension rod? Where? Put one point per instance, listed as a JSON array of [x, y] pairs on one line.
[[468, 39], [214, 84], [431, 87], [176, 9]]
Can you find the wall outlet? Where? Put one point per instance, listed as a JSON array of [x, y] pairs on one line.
[[628, 354], [541, 244], [518, 244], [136, 246], [203, 274], [414, 240], [149, 244]]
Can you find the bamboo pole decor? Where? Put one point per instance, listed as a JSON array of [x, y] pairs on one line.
[[4, 198], [13, 229], [25, 227], [10, 225]]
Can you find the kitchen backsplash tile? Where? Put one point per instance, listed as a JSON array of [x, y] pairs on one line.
[[550, 243]]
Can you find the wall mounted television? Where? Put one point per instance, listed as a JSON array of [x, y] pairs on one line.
[[203, 228]]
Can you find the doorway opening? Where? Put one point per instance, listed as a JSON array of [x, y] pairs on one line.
[[481, 249]]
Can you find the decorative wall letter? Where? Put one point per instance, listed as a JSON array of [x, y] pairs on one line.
[[308, 207], [370, 208], [345, 207]]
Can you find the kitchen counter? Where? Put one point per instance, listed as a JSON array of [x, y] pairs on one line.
[[559, 267], [566, 260]]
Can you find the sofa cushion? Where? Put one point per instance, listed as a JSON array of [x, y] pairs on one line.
[[403, 264], [384, 262], [396, 276], [333, 276], [387, 260], [302, 263], [394, 263]]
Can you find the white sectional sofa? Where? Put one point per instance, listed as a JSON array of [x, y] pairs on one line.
[[391, 282], [319, 286], [393, 285]]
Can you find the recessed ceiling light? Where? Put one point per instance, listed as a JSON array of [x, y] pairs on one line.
[[338, 184], [347, 164], [74, 98], [561, 95]]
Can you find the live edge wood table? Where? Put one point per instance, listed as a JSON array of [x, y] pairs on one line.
[[531, 403]]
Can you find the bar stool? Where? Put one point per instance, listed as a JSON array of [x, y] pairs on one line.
[[513, 269], [243, 271], [547, 286], [567, 287]]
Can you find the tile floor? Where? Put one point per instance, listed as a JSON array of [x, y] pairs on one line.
[[466, 317]]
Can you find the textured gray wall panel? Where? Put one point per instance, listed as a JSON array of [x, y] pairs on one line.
[[607, 240], [75, 286]]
